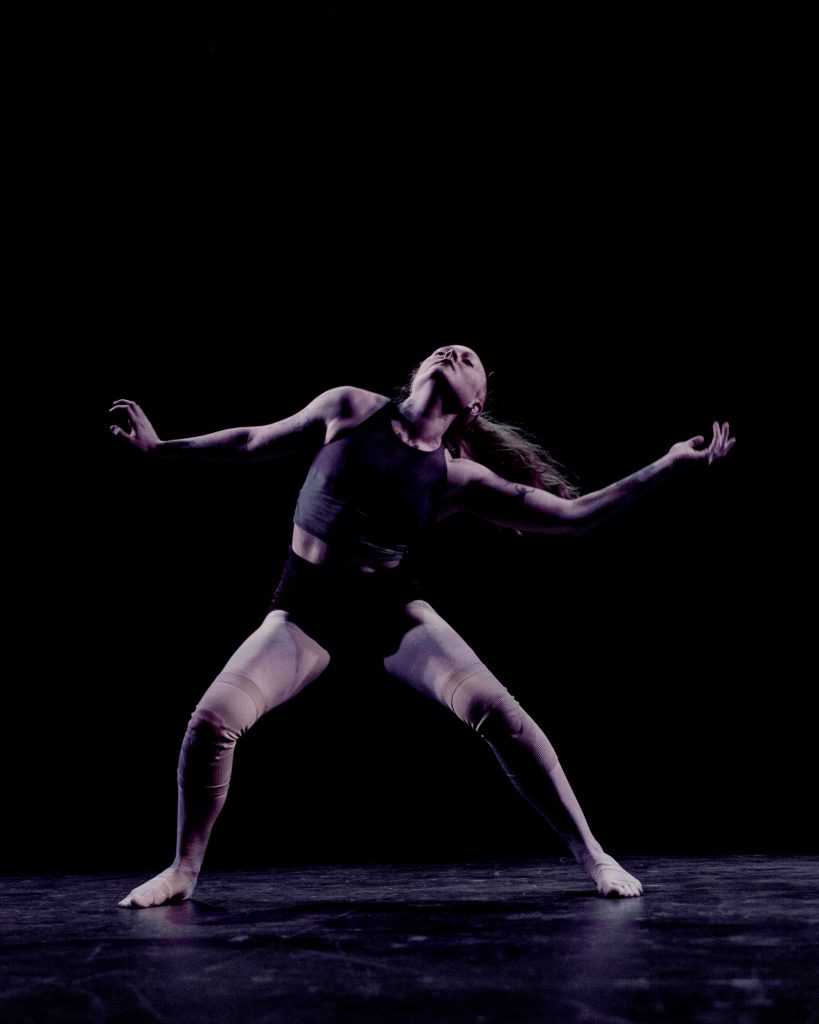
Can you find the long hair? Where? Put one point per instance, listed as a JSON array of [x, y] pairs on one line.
[[511, 452], [507, 449]]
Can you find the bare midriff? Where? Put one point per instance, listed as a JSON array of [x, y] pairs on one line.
[[319, 552]]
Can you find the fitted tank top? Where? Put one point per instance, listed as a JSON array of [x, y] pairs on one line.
[[369, 493]]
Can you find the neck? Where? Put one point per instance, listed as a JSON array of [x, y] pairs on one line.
[[430, 411], [419, 431], [426, 419]]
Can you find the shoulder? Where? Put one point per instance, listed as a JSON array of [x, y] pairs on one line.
[[345, 402], [343, 407]]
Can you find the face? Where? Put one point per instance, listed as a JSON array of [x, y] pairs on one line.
[[460, 369]]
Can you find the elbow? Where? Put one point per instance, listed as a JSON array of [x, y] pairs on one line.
[[578, 520]]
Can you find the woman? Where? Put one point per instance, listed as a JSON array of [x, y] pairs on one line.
[[383, 470]]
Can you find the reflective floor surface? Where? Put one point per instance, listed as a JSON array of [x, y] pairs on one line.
[[714, 940]]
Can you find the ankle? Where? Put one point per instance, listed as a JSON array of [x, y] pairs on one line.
[[181, 867], [584, 850]]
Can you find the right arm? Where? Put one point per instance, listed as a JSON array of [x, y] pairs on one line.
[[314, 422]]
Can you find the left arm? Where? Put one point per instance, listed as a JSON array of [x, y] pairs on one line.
[[596, 506], [481, 492]]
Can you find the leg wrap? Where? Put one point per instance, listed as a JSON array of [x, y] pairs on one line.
[[521, 747], [481, 701], [231, 704]]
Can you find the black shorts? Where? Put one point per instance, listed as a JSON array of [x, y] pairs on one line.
[[349, 612]]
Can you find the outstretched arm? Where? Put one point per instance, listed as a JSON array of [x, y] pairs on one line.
[[592, 508], [234, 443], [486, 495]]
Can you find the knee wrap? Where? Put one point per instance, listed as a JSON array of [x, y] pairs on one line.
[[228, 709], [481, 701], [485, 704]]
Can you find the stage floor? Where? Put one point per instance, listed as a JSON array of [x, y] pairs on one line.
[[714, 940]]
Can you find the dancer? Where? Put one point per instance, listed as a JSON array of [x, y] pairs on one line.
[[383, 470]]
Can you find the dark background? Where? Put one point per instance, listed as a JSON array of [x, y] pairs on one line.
[[233, 209]]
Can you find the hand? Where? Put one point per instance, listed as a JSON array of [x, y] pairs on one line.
[[721, 444], [140, 433]]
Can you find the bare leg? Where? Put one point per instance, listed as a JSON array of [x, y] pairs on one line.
[[271, 666], [435, 660]]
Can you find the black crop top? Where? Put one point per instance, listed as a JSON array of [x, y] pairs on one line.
[[370, 492]]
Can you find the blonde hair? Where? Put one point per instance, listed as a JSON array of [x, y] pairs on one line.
[[507, 449], [511, 452]]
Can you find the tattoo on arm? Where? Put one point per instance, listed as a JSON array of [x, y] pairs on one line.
[[521, 491]]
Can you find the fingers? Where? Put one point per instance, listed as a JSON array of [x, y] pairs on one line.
[[720, 444], [132, 413], [124, 403], [722, 441], [712, 447], [693, 451]]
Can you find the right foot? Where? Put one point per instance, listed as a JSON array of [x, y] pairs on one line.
[[170, 886]]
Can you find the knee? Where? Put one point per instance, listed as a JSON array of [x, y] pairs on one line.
[[486, 706], [206, 729], [227, 710], [496, 718], [206, 756], [230, 706]]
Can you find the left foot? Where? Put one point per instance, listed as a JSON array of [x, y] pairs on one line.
[[610, 877]]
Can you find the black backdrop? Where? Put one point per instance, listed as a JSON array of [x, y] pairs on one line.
[[609, 213]]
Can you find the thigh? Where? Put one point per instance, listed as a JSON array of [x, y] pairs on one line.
[[280, 658], [433, 658]]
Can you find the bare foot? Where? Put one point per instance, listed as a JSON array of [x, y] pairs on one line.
[[610, 878], [170, 886]]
